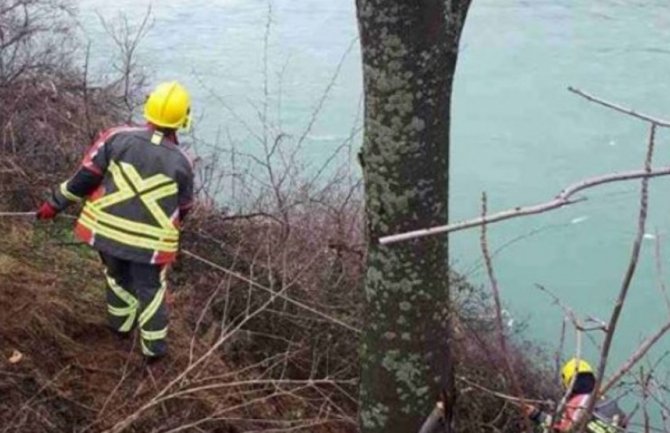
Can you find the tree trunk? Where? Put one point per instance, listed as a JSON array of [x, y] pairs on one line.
[[409, 49]]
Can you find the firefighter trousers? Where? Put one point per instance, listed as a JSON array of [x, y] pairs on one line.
[[136, 297]]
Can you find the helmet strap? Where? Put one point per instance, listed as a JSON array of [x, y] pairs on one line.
[[188, 122]]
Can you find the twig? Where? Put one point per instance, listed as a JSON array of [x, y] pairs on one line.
[[228, 108], [579, 330], [124, 376], [225, 335], [650, 428], [303, 426], [498, 309], [620, 109], [477, 264], [501, 395], [17, 214], [628, 277], [558, 413], [644, 384], [266, 92], [215, 292], [659, 269], [634, 358], [559, 351], [31, 399], [255, 382], [265, 289], [217, 416], [568, 312], [561, 200], [324, 96]]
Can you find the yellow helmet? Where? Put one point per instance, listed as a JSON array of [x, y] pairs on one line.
[[572, 368], [169, 106]]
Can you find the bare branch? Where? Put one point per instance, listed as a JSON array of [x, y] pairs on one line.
[[659, 269], [620, 109], [628, 277], [580, 331], [561, 200], [502, 340], [635, 357], [324, 96], [279, 295]]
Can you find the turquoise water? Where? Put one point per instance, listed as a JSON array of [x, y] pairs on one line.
[[520, 136], [517, 133], [217, 46]]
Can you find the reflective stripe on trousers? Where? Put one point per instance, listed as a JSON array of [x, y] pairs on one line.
[[136, 296]]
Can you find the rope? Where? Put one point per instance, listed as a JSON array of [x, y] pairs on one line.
[[233, 274], [17, 214]]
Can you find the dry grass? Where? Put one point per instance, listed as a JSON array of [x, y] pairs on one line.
[[75, 374]]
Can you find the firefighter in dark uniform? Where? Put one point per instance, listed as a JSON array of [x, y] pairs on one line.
[[578, 377], [136, 185]]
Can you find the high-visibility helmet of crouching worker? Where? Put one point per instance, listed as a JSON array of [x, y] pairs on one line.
[[577, 377], [136, 187]]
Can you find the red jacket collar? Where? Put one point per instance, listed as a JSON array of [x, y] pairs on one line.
[[172, 136]]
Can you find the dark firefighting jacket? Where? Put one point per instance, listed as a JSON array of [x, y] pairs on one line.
[[137, 185], [607, 416]]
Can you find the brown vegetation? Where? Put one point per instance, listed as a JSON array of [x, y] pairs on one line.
[[265, 325]]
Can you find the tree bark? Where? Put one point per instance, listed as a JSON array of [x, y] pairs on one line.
[[410, 48]]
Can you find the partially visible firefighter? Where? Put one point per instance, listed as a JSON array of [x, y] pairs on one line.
[[136, 185], [577, 376]]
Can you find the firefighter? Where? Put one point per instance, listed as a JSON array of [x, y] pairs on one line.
[[136, 185], [607, 416]]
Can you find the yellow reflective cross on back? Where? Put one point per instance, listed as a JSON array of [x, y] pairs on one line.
[[130, 185], [598, 426]]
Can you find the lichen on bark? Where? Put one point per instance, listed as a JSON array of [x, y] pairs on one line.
[[408, 65]]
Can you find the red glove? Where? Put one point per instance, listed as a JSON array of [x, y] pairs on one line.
[[46, 211]]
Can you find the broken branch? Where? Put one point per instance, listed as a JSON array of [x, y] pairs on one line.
[[564, 198]]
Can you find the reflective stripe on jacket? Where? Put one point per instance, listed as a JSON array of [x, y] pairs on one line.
[[606, 418], [137, 184]]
